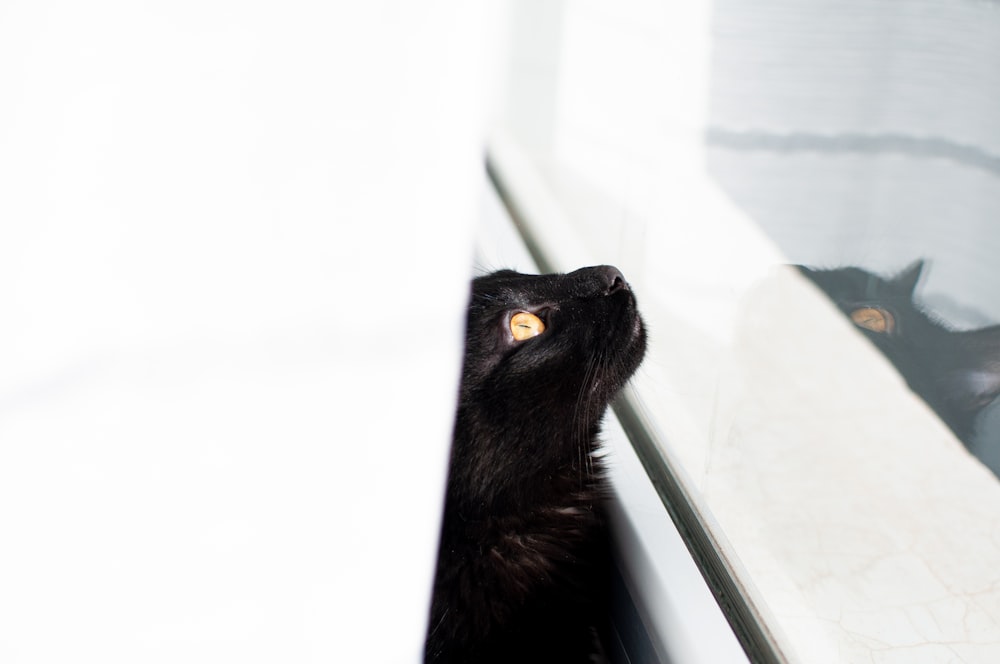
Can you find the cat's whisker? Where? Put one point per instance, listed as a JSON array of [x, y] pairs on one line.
[[439, 623], [597, 366], [581, 438]]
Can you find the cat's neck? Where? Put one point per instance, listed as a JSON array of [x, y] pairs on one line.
[[530, 466]]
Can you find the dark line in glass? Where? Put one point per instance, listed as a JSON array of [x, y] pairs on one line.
[[757, 641], [923, 147], [753, 636]]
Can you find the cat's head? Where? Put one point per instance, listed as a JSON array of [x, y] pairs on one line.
[[553, 335], [883, 307], [544, 356]]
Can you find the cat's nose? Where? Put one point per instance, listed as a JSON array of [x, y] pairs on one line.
[[612, 279]]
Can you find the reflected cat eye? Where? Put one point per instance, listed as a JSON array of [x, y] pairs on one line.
[[874, 319]]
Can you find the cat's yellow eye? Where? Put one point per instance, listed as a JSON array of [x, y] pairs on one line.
[[524, 326], [876, 320]]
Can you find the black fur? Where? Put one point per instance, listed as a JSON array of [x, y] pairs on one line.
[[522, 566], [956, 372]]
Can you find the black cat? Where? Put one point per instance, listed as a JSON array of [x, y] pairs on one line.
[[522, 567], [956, 372]]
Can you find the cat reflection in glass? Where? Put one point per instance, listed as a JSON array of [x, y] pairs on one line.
[[957, 372]]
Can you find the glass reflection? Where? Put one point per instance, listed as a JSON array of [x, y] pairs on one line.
[[957, 372]]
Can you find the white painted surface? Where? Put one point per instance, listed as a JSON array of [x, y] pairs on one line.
[[235, 251]]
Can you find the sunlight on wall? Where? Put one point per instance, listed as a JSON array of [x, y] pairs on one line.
[[236, 250]]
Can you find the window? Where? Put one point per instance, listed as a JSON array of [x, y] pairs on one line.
[[707, 149]]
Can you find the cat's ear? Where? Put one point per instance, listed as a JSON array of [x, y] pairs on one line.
[[906, 281]]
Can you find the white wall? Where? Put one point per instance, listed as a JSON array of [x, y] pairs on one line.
[[235, 240]]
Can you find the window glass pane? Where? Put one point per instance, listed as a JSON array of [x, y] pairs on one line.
[[839, 454]]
